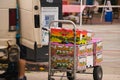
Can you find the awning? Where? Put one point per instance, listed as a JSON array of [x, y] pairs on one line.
[[72, 8]]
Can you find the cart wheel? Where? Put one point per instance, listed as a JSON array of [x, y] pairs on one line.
[[70, 76], [97, 73]]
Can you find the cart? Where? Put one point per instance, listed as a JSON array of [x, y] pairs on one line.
[[64, 57]]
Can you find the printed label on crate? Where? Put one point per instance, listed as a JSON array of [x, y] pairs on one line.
[[81, 63], [90, 35], [98, 58], [62, 62], [89, 49], [99, 46], [62, 49], [81, 50], [62, 55]]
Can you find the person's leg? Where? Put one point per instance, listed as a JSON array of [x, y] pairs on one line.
[[22, 63]]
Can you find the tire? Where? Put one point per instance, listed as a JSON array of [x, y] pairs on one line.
[[70, 76], [97, 73]]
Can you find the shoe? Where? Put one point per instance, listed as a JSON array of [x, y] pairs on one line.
[[5, 74], [12, 70], [24, 78], [8, 76]]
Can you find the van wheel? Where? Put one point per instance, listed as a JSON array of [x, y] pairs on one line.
[[70, 76], [97, 73]]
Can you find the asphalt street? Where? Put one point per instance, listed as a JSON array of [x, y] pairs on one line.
[[109, 33]]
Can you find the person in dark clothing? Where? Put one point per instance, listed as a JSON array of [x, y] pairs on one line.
[[16, 69]]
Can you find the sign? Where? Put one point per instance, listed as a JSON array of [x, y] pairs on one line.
[[48, 14]]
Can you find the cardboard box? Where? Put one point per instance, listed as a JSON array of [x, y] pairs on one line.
[[98, 58], [62, 56], [81, 64], [81, 50], [97, 51], [89, 49], [97, 45]]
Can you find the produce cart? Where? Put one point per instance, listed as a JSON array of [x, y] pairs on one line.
[[72, 51]]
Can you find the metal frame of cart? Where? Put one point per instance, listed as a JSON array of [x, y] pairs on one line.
[[71, 73]]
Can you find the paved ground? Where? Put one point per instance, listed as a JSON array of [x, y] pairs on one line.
[[109, 33], [111, 54]]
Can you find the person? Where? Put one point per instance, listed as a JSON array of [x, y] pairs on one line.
[[21, 75], [22, 63], [22, 60], [16, 70]]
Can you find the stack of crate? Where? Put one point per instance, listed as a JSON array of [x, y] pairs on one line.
[[88, 49]]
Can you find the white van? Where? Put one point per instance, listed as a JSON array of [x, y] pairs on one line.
[[7, 29], [35, 14]]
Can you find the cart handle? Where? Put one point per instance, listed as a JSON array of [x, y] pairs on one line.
[[63, 21], [59, 21]]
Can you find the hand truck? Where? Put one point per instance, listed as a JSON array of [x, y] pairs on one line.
[[70, 72]]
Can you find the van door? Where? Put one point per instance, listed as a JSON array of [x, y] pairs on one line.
[[7, 22], [29, 12], [35, 14], [9, 51]]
